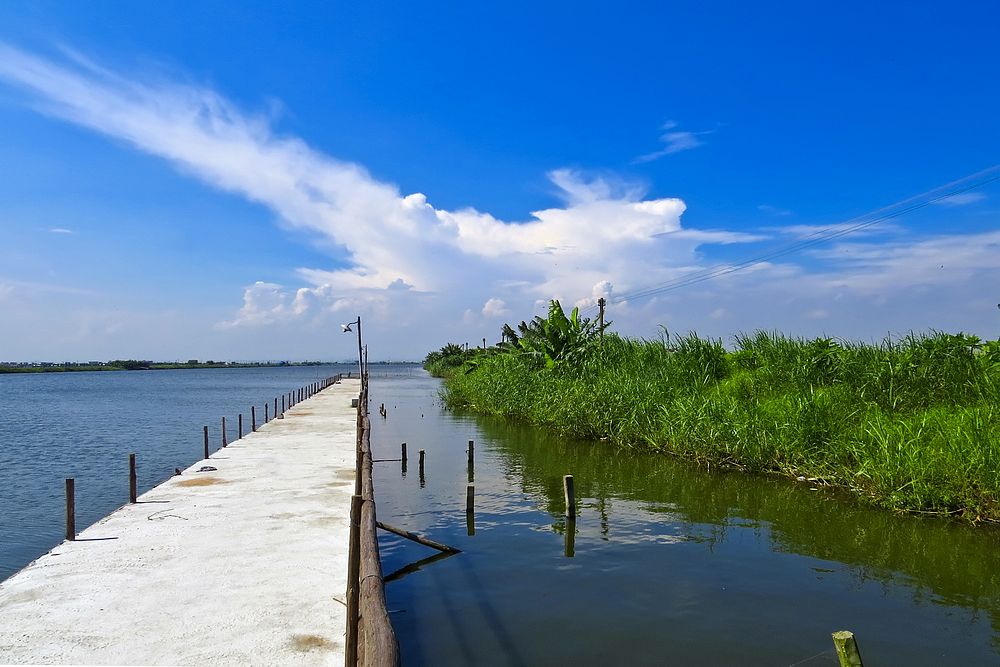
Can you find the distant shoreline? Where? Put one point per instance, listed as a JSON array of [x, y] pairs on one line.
[[48, 367], [148, 366]]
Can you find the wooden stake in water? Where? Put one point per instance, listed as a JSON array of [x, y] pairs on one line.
[[570, 494], [470, 510], [265, 413], [847, 649], [70, 509], [225, 443], [206, 441], [403, 454], [276, 416], [132, 491], [239, 432], [253, 418]]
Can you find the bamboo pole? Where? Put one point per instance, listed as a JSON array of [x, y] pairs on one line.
[[353, 583], [417, 538]]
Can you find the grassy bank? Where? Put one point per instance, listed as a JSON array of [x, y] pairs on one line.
[[912, 425]]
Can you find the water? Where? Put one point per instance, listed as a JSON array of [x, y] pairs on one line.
[[670, 564], [84, 425]]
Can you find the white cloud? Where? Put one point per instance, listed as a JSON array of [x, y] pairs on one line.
[[428, 273], [60, 230], [847, 229], [962, 199], [674, 141], [773, 210], [495, 308], [400, 250]]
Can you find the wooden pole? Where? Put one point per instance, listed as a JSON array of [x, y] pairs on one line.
[[282, 404], [276, 407], [403, 455], [206, 441], [353, 584], [253, 418], [240, 430], [601, 303], [417, 538], [420, 458], [265, 412], [225, 443], [847, 649], [570, 496], [70, 509], [132, 491]]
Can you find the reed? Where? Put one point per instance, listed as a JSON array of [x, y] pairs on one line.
[[912, 424]]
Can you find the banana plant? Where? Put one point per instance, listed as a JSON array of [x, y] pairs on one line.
[[553, 339]]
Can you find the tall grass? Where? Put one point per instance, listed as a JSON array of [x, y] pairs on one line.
[[912, 424]]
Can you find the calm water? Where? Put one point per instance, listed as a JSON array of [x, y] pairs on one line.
[[84, 425], [669, 564]]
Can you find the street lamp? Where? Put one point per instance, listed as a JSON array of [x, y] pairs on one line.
[[347, 329]]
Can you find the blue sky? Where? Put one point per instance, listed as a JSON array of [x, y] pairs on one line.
[[223, 180]]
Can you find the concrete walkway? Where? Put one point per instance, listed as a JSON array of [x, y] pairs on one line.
[[243, 565]]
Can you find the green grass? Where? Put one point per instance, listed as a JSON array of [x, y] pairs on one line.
[[913, 424]]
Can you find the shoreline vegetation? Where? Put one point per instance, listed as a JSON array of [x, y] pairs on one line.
[[139, 365], [910, 424]]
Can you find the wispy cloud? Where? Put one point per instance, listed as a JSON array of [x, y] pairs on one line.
[[400, 250], [674, 141], [847, 229], [60, 230], [773, 210], [963, 199]]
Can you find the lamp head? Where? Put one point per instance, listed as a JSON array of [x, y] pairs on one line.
[[346, 327]]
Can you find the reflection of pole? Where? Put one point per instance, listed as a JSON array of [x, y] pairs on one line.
[[570, 549]]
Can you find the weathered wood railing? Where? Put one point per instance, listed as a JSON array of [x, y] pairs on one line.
[[370, 637]]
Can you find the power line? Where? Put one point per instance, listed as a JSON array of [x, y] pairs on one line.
[[822, 236]]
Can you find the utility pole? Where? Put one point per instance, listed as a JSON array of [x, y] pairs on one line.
[[601, 303]]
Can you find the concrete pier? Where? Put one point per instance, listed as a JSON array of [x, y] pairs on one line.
[[246, 564]]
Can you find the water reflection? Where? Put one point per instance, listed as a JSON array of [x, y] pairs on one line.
[[663, 558]]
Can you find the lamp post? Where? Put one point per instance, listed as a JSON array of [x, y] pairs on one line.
[[347, 329]]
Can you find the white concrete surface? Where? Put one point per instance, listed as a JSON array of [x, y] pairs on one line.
[[244, 568]]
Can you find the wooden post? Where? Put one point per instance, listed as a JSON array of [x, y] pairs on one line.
[[847, 649], [225, 442], [265, 412], [570, 496], [240, 430], [206, 441], [253, 418], [282, 404], [420, 458], [70, 509], [403, 454], [276, 407], [353, 584], [132, 491]]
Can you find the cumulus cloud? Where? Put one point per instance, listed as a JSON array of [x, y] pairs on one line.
[[495, 308]]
